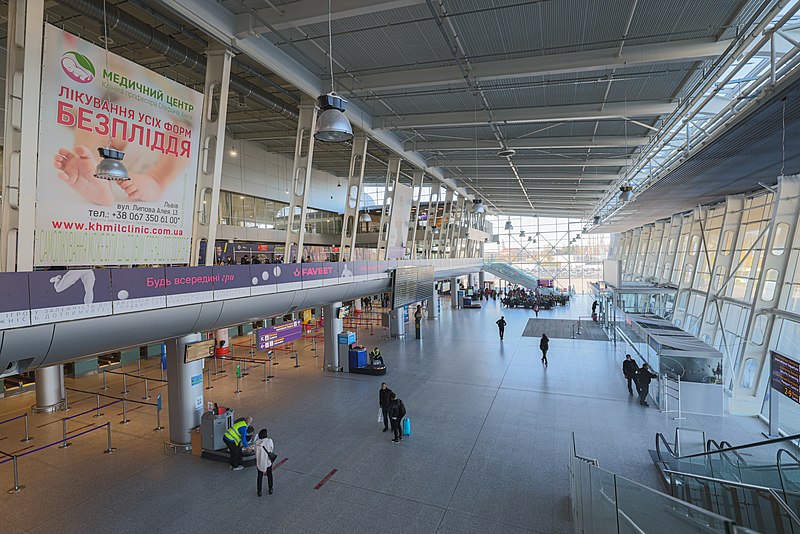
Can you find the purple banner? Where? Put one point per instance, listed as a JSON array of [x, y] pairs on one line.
[[138, 283], [14, 292], [274, 336], [182, 280], [319, 270], [231, 277], [67, 295]]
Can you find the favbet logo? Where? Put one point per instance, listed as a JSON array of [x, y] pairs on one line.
[[78, 67]]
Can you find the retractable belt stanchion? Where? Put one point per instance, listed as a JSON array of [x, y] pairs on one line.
[[27, 436], [109, 449]]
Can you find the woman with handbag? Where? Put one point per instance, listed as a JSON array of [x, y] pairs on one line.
[[264, 458]]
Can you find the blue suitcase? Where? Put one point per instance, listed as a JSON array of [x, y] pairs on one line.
[[406, 426]]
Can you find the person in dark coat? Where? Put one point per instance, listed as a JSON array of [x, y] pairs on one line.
[[629, 370], [544, 346], [384, 399], [643, 378], [396, 413], [501, 326]]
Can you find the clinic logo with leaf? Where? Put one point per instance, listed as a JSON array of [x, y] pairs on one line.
[[77, 67]]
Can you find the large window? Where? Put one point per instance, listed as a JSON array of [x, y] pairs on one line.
[[550, 248]]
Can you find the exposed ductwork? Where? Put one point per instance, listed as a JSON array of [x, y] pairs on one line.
[[124, 24]]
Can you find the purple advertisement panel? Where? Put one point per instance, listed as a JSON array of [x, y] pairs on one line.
[[264, 277], [138, 289], [15, 302], [231, 281], [274, 336], [316, 274], [189, 285], [360, 269], [66, 295]]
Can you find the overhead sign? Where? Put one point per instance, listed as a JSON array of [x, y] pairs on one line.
[[786, 376], [91, 99], [275, 336], [198, 351]]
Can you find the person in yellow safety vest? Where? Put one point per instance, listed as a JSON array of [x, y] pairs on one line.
[[236, 439]]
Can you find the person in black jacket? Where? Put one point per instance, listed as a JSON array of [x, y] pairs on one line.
[[384, 399], [501, 326], [544, 346], [643, 378], [396, 413], [629, 370]]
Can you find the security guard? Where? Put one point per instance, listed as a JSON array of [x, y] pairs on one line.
[[236, 439]]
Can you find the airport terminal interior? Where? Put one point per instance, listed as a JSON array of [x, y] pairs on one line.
[[564, 234]]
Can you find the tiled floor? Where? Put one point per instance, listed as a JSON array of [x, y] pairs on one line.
[[491, 433]]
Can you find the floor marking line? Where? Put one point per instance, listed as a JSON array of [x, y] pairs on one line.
[[277, 465], [324, 480]]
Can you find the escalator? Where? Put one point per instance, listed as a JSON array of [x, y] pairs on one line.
[[511, 274]]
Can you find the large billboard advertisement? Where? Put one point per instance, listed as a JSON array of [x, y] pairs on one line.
[[92, 99]]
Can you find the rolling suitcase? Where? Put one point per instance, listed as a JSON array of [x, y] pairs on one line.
[[406, 426]]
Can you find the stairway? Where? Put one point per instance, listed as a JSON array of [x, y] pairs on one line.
[[511, 274]]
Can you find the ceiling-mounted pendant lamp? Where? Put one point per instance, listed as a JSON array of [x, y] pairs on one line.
[[522, 233], [365, 217], [477, 206], [111, 167], [332, 125], [509, 226]]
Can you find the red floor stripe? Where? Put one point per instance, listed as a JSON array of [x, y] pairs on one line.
[[277, 465], [324, 480]]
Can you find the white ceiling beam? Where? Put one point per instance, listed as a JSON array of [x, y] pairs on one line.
[[529, 163], [609, 141], [220, 23], [576, 112], [572, 62], [308, 12], [588, 177]]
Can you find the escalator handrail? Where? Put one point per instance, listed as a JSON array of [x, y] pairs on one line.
[[782, 503], [729, 449], [781, 452], [724, 445]]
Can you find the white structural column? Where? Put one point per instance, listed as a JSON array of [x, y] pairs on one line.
[[641, 256], [430, 224], [653, 249], [722, 266], [688, 271], [454, 292], [453, 227], [419, 178], [185, 390], [633, 253], [392, 179], [441, 243], [358, 160], [433, 304], [333, 327], [21, 133], [212, 149], [301, 181], [753, 365], [50, 391], [670, 252]]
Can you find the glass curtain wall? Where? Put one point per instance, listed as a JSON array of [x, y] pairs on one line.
[[253, 212], [550, 248]]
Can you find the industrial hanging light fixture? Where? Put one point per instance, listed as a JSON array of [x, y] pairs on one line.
[[509, 226], [626, 193], [111, 166], [477, 206], [364, 217], [332, 124], [522, 233]]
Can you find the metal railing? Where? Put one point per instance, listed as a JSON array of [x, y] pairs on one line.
[[27, 436], [602, 501], [124, 402], [671, 389]]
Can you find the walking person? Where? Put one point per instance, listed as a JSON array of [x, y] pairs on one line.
[[544, 346], [629, 370], [235, 439], [384, 400], [265, 455], [396, 413], [536, 310], [643, 378], [501, 326]]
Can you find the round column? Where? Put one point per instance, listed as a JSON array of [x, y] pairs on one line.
[[332, 329], [49, 388], [185, 390]]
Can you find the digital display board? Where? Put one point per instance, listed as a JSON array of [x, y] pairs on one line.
[[411, 284], [785, 376], [199, 350], [274, 336]]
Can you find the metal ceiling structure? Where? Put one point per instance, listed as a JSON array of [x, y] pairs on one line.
[[582, 92]]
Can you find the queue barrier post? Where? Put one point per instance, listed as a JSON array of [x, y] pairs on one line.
[[98, 414], [146, 392], [109, 449], [264, 366], [105, 385], [158, 427], [64, 442], [238, 379], [124, 384], [66, 400], [17, 487], [125, 419], [296, 358], [208, 375], [27, 435], [269, 358]]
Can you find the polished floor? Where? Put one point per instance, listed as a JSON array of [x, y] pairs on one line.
[[491, 433]]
